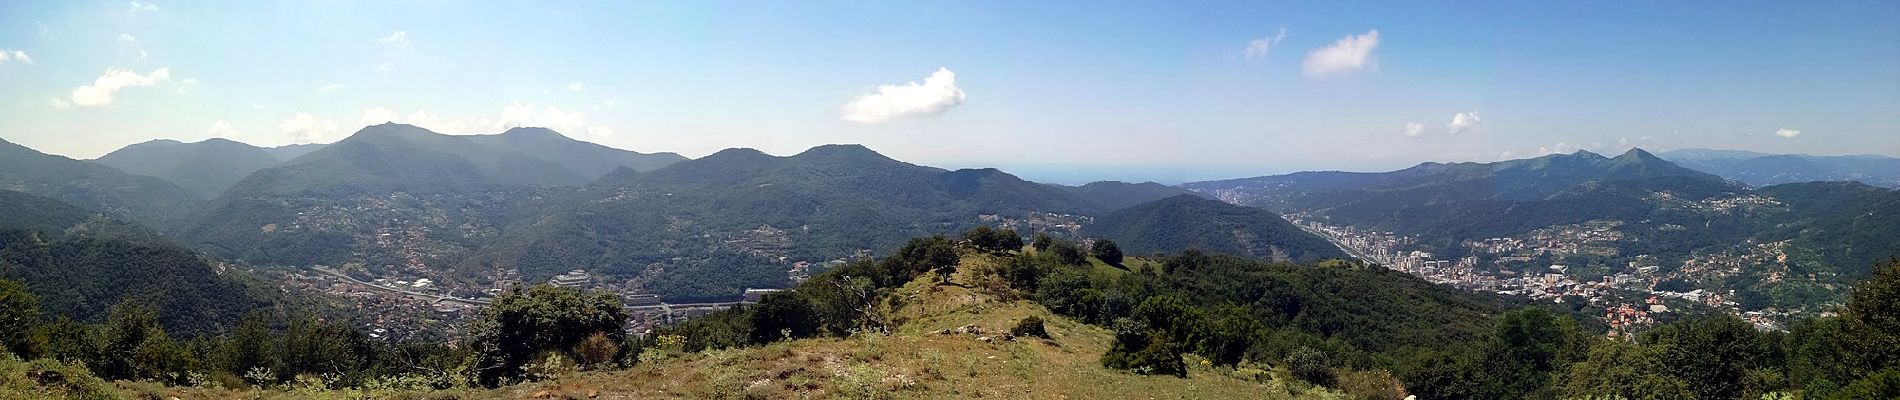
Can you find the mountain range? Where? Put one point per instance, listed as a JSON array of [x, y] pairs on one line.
[[399, 199], [395, 199], [1785, 245], [1762, 169], [205, 168], [142, 199]]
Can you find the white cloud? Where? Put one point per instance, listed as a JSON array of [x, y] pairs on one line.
[[1506, 155], [14, 55], [139, 6], [59, 103], [1788, 133], [576, 86], [1460, 122], [1258, 48], [1414, 129], [222, 129], [330, 88], [255, 106], [572, 122], [100, 92], [304, 128], [376, 115], [936, 93], [127, 38], [1463, 121], [384, 68], [1560, 148], [396, 38], [1349, 54]]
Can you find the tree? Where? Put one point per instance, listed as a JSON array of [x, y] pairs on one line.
[[1042, 241], [1712, 354], [1625, 371], [1871, 321], [524, 323], [993, 240], [1883, 385], [134, 346], [1143, 350], [1021, 272], [1525, 349], [783, 315], [19, 316], [252, 347], [934, 253], [1068, 253], [1108, 252]]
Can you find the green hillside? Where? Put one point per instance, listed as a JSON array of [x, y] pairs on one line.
[[1187, 221], [146, 200], [205, 168]]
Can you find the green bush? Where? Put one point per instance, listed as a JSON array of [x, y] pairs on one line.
[[1310, 365], [1029, 326], [49, 379]]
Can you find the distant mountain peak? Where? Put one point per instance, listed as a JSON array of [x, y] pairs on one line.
[[1638, 152], [738, 152], [159, 142], [833, 150], [533, 131], [392, 129]]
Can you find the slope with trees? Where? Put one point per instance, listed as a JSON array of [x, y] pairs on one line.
[[142, 199], [1185, 221], [205, 168]]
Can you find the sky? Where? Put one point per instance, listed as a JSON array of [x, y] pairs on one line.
[[1053, 91]]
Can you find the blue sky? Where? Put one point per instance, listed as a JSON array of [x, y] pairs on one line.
[[1053, 91]]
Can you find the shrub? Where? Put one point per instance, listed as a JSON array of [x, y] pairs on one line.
[[1029, 326], [1377, 385], [549, 364], [1311, 366], [49, 379], [596, 350]]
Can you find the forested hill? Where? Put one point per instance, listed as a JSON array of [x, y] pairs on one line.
[[1514, 180], [27, 212], [584, 159], [1188, 221], [313, 209], [1760, 169], [1115, 195], [1793, 246], [741, 204], [205, 168], [81, 277], [143, 199]]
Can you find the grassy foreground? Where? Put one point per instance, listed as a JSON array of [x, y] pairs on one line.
[[915, 360]]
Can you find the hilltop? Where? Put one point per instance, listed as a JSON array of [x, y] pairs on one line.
[[206, 168]]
